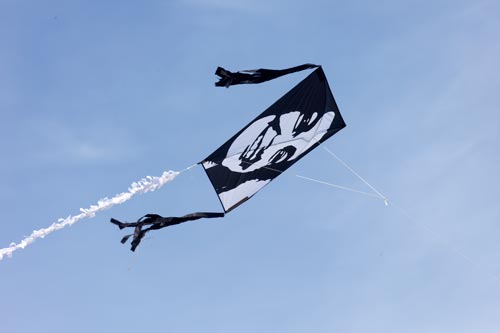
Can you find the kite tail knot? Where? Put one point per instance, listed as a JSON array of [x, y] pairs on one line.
[[148, 219], [226, 77]]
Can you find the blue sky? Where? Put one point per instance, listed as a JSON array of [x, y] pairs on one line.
[[97, 94]]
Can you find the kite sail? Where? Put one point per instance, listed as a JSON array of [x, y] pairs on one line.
[[294, 125]]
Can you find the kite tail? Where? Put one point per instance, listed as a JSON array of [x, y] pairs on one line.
[[147, 184], [156, 222], [228, 78]]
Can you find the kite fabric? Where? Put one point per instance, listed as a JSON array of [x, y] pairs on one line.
[[228, 78], [294, 125]]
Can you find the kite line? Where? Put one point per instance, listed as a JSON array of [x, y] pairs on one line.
[[386, 201], [340, 187], [377, 194], [147, 184]]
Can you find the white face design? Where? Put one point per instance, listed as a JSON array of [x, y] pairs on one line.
[[276, 139]]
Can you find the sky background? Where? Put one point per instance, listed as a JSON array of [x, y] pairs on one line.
[[97, 94]]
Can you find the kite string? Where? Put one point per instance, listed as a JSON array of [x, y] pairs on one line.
[[447, 243], [443, 240], [340, 187], [377, 194], [147, 184], [383, 197]]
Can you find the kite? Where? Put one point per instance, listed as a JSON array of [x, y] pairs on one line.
[[289, 129]]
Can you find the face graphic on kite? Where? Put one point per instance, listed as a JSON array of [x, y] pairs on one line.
[[276, 139], [286, 131]]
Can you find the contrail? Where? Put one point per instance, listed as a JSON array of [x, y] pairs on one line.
[[144, 185]]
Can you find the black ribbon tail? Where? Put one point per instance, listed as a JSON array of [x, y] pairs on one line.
[[120, 225], [228, 78], [146, 219], [125, 238], [155, 222]]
